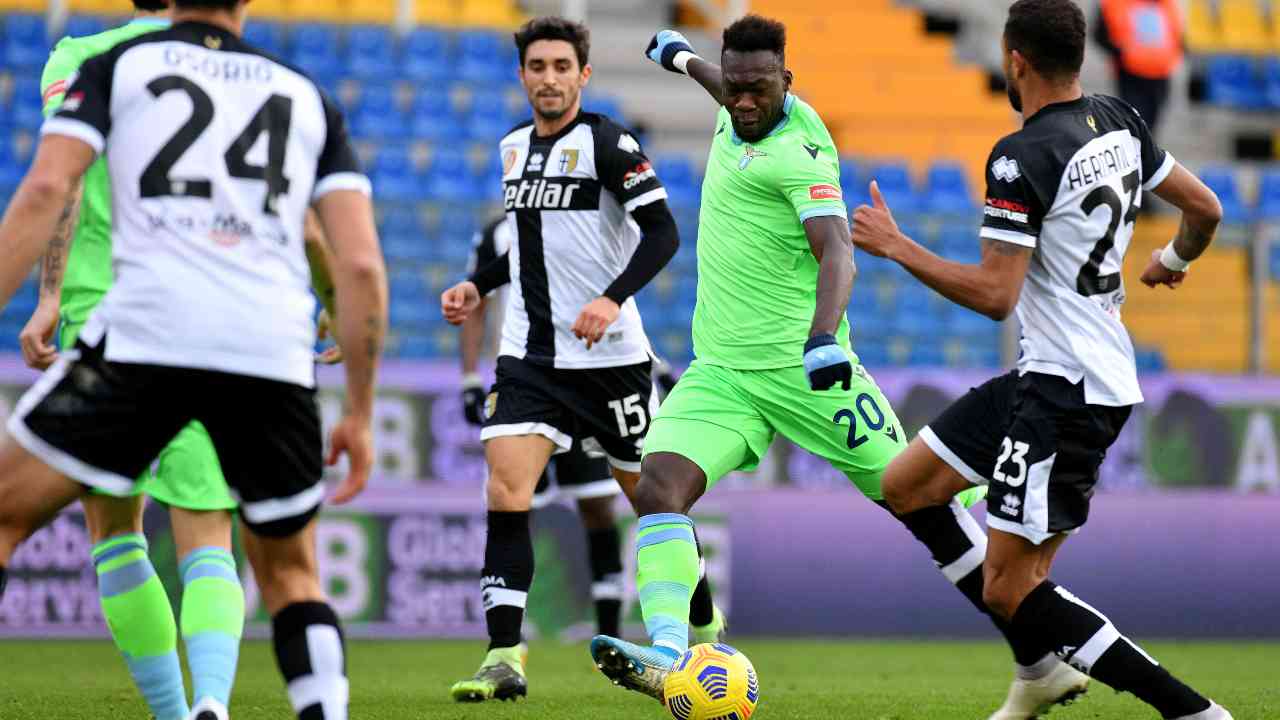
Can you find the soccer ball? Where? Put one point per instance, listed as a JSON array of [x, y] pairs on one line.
[[712, 682]]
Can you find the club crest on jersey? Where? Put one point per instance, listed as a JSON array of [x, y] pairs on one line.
[[212, 42], [490, 407], [509, 160], [568, 161], [750, 154], [535, 162], [1006, 169], [1093, 124]]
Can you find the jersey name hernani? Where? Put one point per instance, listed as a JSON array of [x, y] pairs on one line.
[[1069, 184], [568, 198], [214, 150]]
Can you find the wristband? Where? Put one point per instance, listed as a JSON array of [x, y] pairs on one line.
[[471, 380], [681, 61], [1169, 258]]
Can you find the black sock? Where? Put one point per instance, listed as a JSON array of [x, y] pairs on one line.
[[604, 548], [1089, 642], [701, 607], [309, 652], [958, 547], [507, 575]]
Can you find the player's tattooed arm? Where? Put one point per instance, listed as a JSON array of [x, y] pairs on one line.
[[55, 257], [318, 257], [830, 242], [1201, 211]]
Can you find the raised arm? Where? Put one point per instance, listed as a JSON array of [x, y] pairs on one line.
[[1201, 214], [991, 287], [672, 51]]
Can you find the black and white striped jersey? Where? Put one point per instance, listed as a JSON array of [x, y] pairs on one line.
[[215, 150], [569, 198], [1069, 184]]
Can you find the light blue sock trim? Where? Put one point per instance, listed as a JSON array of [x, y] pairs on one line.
[[665, 590], [205, 553], [680, 534], [668, 633], [159, 678], [648, 521], [136, 542], [126, 578], [212, 657]]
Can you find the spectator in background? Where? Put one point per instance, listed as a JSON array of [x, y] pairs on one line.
[[1145, 41]]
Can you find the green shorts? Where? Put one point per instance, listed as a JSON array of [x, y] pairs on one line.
[[724, 420], [187, 474]]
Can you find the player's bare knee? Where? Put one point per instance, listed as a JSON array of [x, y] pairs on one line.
[[668, 484], [509, 491]]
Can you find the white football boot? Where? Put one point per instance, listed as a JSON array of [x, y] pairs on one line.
[[1029, 699]]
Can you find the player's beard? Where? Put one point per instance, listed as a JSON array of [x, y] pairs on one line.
[[1015, 97], [569, 101], [760, 132]]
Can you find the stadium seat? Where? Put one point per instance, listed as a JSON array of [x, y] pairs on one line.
[[83, 26], [431, 118], [25, 104], [487, 118], [371, 53], [1269, 194], [267, 36], [425, 57], [318, 50], [1235, 82], [393, 176], [606, 105], [948, 190], [26, 42], [1271, 75], [482, 58], [894, 180], [1222, 181], [378, 116]]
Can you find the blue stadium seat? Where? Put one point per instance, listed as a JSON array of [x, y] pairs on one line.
[[317, 49], [1269, 194], [267, 36], [1275, 261], [606, 105], [83, 26], [895, 184], [948, 189], [425, 56], [1150, 360], [431, 118], [488, 119], [377, 116], [926, 353], [394, 177], [371, 52], [1236, 82], [26, 45], [481, 57], [25, 103], [1271, 78], [1222, 180]]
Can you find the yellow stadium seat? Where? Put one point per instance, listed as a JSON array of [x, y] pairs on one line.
[[489, 13], [100, 7], [381, 12], [270, 9], [24, 5], [1203, 34], [1244, 28]]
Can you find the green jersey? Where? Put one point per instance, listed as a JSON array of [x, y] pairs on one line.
[[88, 273], [757, 277]]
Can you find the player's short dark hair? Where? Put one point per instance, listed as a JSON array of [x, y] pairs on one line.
[[1050, 34], [151, 5], [753, 32], [555, 28]]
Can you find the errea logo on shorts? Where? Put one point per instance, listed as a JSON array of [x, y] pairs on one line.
[[1006, 169]]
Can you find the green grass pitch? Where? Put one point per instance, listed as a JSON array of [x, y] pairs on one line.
[[799, 679]]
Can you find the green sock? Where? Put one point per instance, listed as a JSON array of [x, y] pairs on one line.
[[666, 572], [137, 610], [212, 621]]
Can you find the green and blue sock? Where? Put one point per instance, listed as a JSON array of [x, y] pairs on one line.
[[212, 621], [666, 573], [137, 611]]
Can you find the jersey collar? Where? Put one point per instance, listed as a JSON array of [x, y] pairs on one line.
[[786, 116], [1052, 108]]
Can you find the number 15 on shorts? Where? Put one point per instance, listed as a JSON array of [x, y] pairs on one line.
[[630, 414]]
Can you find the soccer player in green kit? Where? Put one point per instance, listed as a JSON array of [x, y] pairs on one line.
[[771, 340], [76, 274]]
